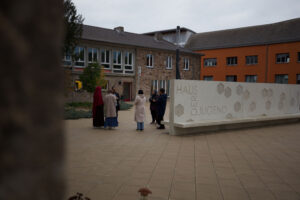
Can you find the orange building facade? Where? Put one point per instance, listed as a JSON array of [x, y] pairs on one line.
[[267, 65]]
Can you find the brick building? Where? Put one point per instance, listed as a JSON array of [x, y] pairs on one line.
[[131, 61], [266, 53]]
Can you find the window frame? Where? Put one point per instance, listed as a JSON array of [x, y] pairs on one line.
[[253, 60], [104, 62], [297, 78], [210, 76], [129, 71], [186, 64], [298, 59], [280, 57], [169, 62], [285, 78], [97, 56], [77, 58], [149, 57], [210, 62], [67, 62], [114, 64], [231, 58], [235, 78], [250, 76]]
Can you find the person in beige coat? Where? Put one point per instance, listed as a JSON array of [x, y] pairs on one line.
[[139, 116], [110, 102]]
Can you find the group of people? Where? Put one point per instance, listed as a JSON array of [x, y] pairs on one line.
[[107, 116], [110, 110]]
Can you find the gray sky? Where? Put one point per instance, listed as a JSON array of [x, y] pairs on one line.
[[141, 16]]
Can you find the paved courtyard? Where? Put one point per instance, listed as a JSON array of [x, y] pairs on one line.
[[261, 163]]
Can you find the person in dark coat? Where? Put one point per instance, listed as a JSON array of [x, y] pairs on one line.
[[98, 115], [118, 101], [153, 106], [161, 108]]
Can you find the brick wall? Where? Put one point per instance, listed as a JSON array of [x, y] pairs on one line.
[[159, 71]]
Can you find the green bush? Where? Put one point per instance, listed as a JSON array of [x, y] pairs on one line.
[[72, 113], [80, 105], [125, 106]]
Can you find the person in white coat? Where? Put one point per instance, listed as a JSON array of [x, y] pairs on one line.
[[139, 116]]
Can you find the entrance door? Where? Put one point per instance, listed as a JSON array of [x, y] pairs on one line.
[[127, 91]]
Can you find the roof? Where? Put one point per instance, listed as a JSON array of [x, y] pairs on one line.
[[285, 31], [126, 38], [173, 30]]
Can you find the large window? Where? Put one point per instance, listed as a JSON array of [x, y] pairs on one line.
[[231, 60], [231, 78], [117, 61], [105, 58], [282, 58], [251, 60], [251, 78], [79, 56], [149, 61], [128, 62], [281, 78], [169, 62], [298, 78], [208, 78], [92, 55], [186, 64], [208, 62]]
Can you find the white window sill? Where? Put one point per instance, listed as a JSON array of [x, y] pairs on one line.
[[151, 67], [186, 69]]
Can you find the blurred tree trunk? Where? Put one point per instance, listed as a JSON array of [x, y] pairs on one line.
[[31, 103]]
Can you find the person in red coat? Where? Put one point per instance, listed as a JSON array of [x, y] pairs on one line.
[[98, 115]]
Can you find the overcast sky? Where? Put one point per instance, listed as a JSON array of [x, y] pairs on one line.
[[140, 16]]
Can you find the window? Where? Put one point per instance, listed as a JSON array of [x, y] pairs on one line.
[[231, 60], [231, 78], [117, 61], [79, 56], [67, 60], [169, 62], [105, 58], [251, 60], [92, 55], [128, 62], [186, 64], [208, 78], [298, 78], [282, 58], [298, 56], [149, 61], [251, 78], [281, 78], [154, 85], [208, 62]]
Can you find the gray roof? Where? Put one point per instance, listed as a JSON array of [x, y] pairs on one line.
[[173, 30], [126, 38], [285, 31]]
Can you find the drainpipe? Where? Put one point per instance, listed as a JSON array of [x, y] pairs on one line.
[[177, 52], [267, 63]]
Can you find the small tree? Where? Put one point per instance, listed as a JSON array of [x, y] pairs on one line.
[[92, 77]]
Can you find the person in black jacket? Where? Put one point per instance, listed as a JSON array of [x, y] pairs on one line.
[[161, 108], [118, 101], [153, 106]]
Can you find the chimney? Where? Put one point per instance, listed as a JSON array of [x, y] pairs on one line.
[[119, 29], [177, 35], [158, 36]]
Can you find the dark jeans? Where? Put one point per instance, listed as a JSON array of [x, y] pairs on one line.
[[159, 119], [154, 115]]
